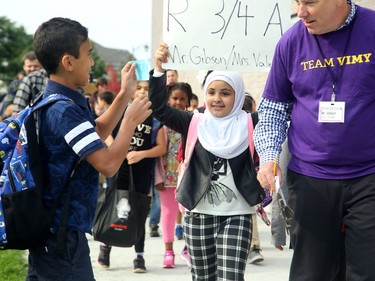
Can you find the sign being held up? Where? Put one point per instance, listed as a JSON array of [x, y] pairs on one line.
[[236, 35]]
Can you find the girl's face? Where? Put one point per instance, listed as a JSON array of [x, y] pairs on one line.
[[178, 99], [220, 98]]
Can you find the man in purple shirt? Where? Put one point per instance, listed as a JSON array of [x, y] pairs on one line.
[[322, 80]]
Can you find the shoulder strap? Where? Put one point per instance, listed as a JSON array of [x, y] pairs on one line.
[[250, 130], [192, 135], [48, 100], [37, 165], [255, 117], [155, 130]]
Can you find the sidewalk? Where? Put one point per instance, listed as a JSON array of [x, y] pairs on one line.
[[274, 267]]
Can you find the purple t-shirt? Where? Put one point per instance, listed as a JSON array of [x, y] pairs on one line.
[[299, 73]]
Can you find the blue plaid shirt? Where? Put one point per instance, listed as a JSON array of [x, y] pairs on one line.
[[270, 132]]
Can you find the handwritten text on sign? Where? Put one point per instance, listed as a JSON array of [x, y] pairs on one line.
[[224, 34]]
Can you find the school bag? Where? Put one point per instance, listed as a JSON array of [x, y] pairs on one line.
[[192, 138], [25, 220]]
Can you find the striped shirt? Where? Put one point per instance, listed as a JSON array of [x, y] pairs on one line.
[[67, 130]]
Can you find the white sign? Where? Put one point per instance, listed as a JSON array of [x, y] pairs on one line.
[[224, 34]]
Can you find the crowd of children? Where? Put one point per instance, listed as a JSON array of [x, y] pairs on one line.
[[211, 206]]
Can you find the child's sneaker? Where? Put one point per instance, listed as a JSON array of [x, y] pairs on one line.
[[139, 265], [154, 232], [255, 255], [179, 232], [103, 258], [185, 256], [168, 259]]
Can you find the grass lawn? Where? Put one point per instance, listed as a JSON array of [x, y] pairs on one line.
[[13, 265]]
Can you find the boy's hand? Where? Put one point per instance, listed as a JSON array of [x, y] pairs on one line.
[[138, 111], [128, 79], [161, 56]]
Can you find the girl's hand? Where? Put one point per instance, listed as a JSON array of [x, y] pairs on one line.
[[134, 157], [161, 56], [160, 186]]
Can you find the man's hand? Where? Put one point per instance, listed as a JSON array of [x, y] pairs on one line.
[[266, 176]]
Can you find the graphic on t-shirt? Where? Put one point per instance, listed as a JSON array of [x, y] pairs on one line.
[[218, 192]]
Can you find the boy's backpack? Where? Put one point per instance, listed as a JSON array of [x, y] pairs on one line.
[[25, 221]]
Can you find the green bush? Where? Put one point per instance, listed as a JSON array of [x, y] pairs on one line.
[[13, 265]]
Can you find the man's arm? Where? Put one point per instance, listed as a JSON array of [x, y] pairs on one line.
[[269, 134]]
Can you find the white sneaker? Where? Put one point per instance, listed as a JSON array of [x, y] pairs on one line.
[[255, 256]]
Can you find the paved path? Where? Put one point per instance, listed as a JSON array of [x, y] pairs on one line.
[[274, 267]]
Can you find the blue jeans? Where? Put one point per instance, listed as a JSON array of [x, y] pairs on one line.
[[74, 264], [155, 206]]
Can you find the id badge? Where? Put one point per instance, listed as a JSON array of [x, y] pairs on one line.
[[331, 112]]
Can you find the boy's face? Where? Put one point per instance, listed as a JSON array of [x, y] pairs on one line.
[[172, 77], [220, 98], [142, 89], [82, 65], [193, 105]]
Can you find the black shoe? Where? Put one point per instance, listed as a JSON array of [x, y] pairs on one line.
[[103, 258], [154, 232], [139, 265]]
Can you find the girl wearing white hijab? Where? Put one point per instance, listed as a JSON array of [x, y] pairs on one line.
[[219, 186]]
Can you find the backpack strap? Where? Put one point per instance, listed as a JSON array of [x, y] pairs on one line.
[[39, 103], [250, 131], [33, 140], [61, 233], [192, 136], [155, 130]]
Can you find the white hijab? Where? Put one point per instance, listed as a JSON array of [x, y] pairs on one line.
[[225, 137]]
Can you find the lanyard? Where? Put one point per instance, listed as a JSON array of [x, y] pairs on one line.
[[334, 80]]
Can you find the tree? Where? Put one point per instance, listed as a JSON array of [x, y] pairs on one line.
[[100, 65], [14, 43]]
